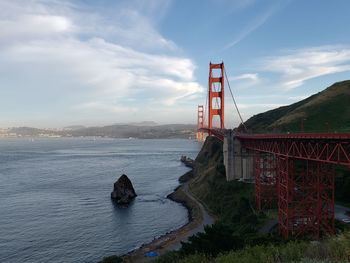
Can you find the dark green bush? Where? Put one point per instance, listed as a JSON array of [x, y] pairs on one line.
[[111, 259]]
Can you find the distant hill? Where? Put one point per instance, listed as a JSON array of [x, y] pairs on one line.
[[135, 130], [29, 131], [328, 110], [74, 127]]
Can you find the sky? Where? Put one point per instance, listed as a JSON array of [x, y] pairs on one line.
[[87, 62]]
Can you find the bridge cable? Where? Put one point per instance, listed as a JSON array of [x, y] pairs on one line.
[[234, 101]]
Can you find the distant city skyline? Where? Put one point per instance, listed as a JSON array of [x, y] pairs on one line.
[[97, 63]]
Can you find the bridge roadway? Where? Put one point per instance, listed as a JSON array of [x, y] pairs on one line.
[[295, 170], [331, 148]]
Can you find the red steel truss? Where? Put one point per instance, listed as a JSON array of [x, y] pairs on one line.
[[265, 180], [305, 178], [296, 169], [218, 133], [305, 198], [326, 148]]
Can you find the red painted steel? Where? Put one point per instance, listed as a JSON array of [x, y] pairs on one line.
[[265, 180], [216, 91], [305, 198], [284, 168], [218, 133], [326, 148], [297, 169]]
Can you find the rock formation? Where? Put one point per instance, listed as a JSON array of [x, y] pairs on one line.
[[123, 191]]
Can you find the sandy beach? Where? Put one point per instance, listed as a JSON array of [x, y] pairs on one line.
[[198, 218]]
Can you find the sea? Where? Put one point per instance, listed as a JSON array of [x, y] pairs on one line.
[[55, 203]]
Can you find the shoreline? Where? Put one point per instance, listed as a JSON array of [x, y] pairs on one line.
[[172, 240]]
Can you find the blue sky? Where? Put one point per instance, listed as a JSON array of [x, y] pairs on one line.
[[102, 62]]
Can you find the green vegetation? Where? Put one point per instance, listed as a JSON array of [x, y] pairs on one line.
[[238, 222], [235, 236], [111, 259], [342, 186], [335, 249], [116, 131], [326, 111]]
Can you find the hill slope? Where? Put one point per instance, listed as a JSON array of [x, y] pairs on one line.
[[328, 110]]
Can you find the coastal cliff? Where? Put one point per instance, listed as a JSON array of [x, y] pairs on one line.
[[236, 236]]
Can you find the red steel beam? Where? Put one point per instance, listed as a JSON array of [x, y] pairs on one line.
[[326, 148], [219, 133], [305, 198], [265, 180]]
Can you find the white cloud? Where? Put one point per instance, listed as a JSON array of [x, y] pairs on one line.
[[85, 63], [298, 98], [34, 26], [254, 24], [260, 105], [297, 66], [104, 107], [247, 76]]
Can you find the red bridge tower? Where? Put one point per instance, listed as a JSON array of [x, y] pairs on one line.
[[216, 94]]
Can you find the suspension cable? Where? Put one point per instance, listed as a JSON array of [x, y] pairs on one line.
[[234, 101]]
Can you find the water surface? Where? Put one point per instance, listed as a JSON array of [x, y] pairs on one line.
[[55, 201]]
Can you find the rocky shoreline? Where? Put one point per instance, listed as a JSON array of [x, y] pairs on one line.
[[171, 240]]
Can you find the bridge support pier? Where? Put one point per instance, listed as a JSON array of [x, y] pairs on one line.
[[305, 198], [265, 180], [238, 160]]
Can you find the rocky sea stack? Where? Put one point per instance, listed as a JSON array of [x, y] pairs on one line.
[[123, 191]]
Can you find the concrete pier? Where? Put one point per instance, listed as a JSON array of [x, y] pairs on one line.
[[238, 161]]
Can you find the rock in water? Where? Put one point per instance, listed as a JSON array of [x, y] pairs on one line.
[[123, 191]]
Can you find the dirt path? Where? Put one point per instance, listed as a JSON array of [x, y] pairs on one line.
[[206, 219], [172, 240]]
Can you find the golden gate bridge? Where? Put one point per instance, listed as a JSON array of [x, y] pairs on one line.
[[296, 171]]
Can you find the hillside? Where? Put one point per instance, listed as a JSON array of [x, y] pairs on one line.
[[137, 131], [236, 235], [328, 110], [142, 130]]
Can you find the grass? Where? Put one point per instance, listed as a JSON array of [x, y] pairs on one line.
[[238, 222], [326, 111], [234, 237], [336, 249]]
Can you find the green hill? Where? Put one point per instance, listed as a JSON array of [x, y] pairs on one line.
[[328, 110]]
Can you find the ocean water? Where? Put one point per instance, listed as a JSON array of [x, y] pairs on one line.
[[55, 201]]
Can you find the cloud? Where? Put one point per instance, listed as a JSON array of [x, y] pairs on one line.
[[260, 105], [298, 98], [76, 59], [104, 107], [247, 76], [297, 66], [245, 81], [230, 6], [254, 25]]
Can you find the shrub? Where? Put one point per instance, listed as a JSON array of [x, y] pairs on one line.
[[111, 259]]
